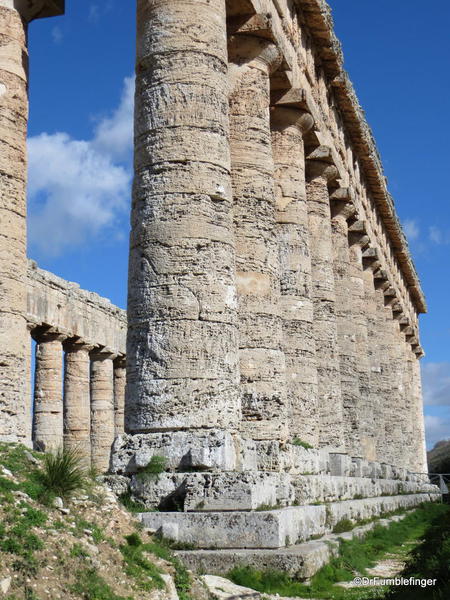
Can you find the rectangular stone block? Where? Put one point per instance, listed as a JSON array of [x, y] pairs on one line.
[[208, 450]]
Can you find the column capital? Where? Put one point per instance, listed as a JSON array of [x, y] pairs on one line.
[[317, 169], [243, 49], [76, 345], [283, 117], [342, 203], [35, 9], [120, 362], [49, 335], [103, 353], [357, 234]]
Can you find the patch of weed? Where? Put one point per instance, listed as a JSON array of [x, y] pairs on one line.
[[91, 586], [303, 444]]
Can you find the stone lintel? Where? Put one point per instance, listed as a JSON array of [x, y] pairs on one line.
[[259, 25], [45, 333], [37, 9], [381, 275]]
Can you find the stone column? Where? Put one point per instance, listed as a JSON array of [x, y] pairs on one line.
[[291, 213], [14, 339], [77, 408], [363, 308], [420, 464], [262, 362], [48, 392], [376, 351], [102, 408], [330, 410], [389, 379], [347, 326], [182, 334], [119, 394]]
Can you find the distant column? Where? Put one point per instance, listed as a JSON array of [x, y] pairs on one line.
[[119, 394], [420, 464], [291, 213], [77, 408], [376, 346], [262, 361], [182, 336], [363, 308], [330, 410], [48, 392], [347, 326], [102, 408]]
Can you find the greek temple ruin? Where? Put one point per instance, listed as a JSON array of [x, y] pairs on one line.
[[271, 338]]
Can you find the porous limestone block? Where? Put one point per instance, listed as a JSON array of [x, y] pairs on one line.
[[260, 529], [291, 458], [273, 528], [340, 464], [209, 449], [212, 491]]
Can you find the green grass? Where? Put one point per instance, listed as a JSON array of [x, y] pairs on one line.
[[156, 466], [91, 586], [63, 473], [131, 505], [299, 442], [161, 549], [355, 556], [429, 560], [343, 525]]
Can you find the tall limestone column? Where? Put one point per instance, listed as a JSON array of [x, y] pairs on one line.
[[182, 334], [262, 361], [420, 464], [119, 394], [376, 352], [363, 307], [347, 327], [14, 338], [291, 213], [330, 409], [102, 408], [48, 392], [77, 404]]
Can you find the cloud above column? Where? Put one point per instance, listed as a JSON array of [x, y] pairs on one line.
[[81, 188]]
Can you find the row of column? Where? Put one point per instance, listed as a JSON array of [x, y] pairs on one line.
[[79, 398], [252, 307]]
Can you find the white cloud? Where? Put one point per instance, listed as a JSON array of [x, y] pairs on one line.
[[80, 188], [436, 235], [94, 13], [436, 383], [114, 135], [411, 229], [57, 34], [436, 429]]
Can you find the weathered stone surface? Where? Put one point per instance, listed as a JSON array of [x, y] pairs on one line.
[[220, 588], [272, 528], [300, 561], [205, 449], [102, 409], [48, 393], [14, 340], [213, 491], [182, 341], [77, 410]]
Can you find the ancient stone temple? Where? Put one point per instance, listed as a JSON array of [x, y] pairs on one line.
[[272, 347]]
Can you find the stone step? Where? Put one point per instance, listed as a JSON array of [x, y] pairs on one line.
[[301, 561], [271, 528]]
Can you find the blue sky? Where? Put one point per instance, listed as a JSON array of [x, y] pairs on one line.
[[80, 144]]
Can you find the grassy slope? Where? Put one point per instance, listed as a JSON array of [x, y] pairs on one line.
[[355, 557], [90, 550]]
